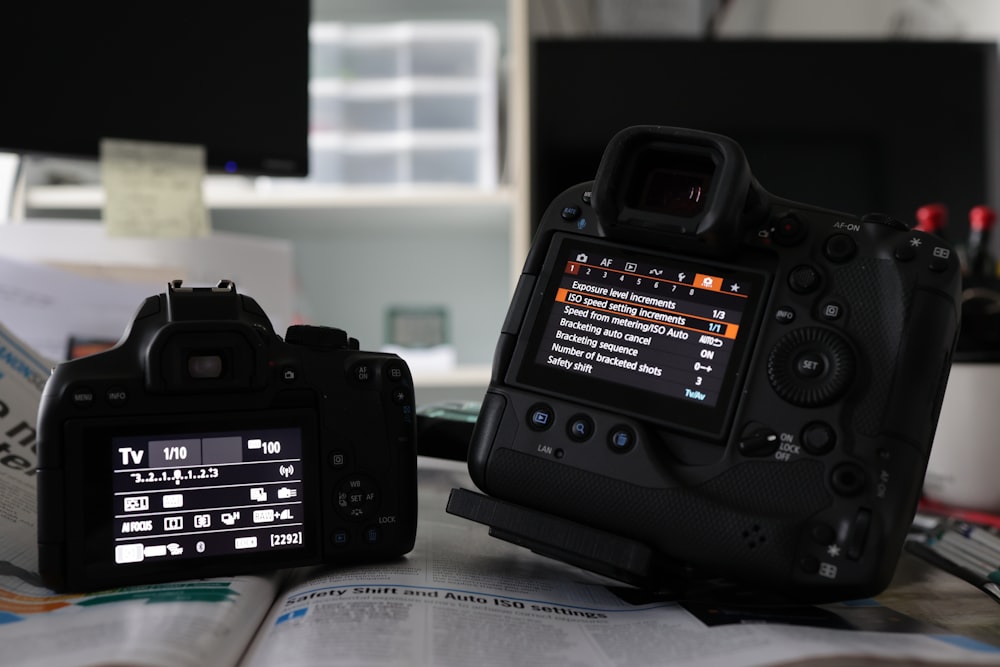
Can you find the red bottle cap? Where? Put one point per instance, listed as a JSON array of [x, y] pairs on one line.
[[982, 218], [932, 218]]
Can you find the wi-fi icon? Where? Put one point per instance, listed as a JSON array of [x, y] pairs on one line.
[[286, 471]]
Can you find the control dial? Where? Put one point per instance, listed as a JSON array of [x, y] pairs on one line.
[[811, 367], [320, 337]]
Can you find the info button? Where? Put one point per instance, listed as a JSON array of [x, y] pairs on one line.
[[116, 396]]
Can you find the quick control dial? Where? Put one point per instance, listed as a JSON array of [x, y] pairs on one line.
[[810, 367]]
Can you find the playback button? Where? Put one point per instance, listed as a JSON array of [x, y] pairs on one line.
[[540, 417]]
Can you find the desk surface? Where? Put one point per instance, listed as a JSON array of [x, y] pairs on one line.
[[934, 596]]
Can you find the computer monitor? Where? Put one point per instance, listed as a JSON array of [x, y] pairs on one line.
[[230, 75], [853, 126]]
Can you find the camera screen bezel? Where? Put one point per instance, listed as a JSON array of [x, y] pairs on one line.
[[686, 416], [89, 494]]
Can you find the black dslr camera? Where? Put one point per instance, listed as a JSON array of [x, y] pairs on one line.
[[697, 379], [203, 444]]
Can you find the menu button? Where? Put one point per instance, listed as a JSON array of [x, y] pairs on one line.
[[82, 397]]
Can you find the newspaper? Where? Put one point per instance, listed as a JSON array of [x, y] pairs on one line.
[[460, 598]]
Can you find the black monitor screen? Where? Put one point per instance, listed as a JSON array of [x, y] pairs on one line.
[[852, 126], [231, 75]]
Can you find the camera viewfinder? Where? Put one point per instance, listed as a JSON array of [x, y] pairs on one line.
[[671, 183], [205, 366]]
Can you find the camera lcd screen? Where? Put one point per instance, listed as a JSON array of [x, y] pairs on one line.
[[658, 336], [220, 492], [211, 494]]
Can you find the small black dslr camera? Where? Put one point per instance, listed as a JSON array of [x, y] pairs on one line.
[[203, 444], [697, 380]]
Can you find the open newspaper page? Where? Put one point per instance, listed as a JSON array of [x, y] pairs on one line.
[[464, 598], [196, 623]]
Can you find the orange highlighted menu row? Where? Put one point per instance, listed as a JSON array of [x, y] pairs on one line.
[[622, 308]]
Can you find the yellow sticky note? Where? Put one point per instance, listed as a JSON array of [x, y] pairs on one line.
[[153, 189]]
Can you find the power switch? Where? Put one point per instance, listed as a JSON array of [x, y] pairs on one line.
[[758, 440]]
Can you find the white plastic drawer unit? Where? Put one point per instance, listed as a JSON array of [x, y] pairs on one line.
[[404, 103]]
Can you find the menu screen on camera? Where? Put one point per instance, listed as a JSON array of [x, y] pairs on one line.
[[206, 494], [643, 324]]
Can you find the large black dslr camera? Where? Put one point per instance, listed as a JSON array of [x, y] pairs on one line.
[[697, 380], [203, 444]]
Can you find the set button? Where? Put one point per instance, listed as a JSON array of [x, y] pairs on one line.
[[356, 498]]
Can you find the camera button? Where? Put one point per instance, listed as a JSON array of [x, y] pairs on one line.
[[580, 428], [818, 438], [116, 396], [82, 397], [288, 374], [803, 279], [840, 248], [809, 564], [356, 498], [570, 213], [848, 479], [832, 311], [621, 439], [540, 417], [338, 459], [810, 364], [784, 315], [789, 230], [395, 371], [940, 260], [400, 396], [362, 373], [821, 533]]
